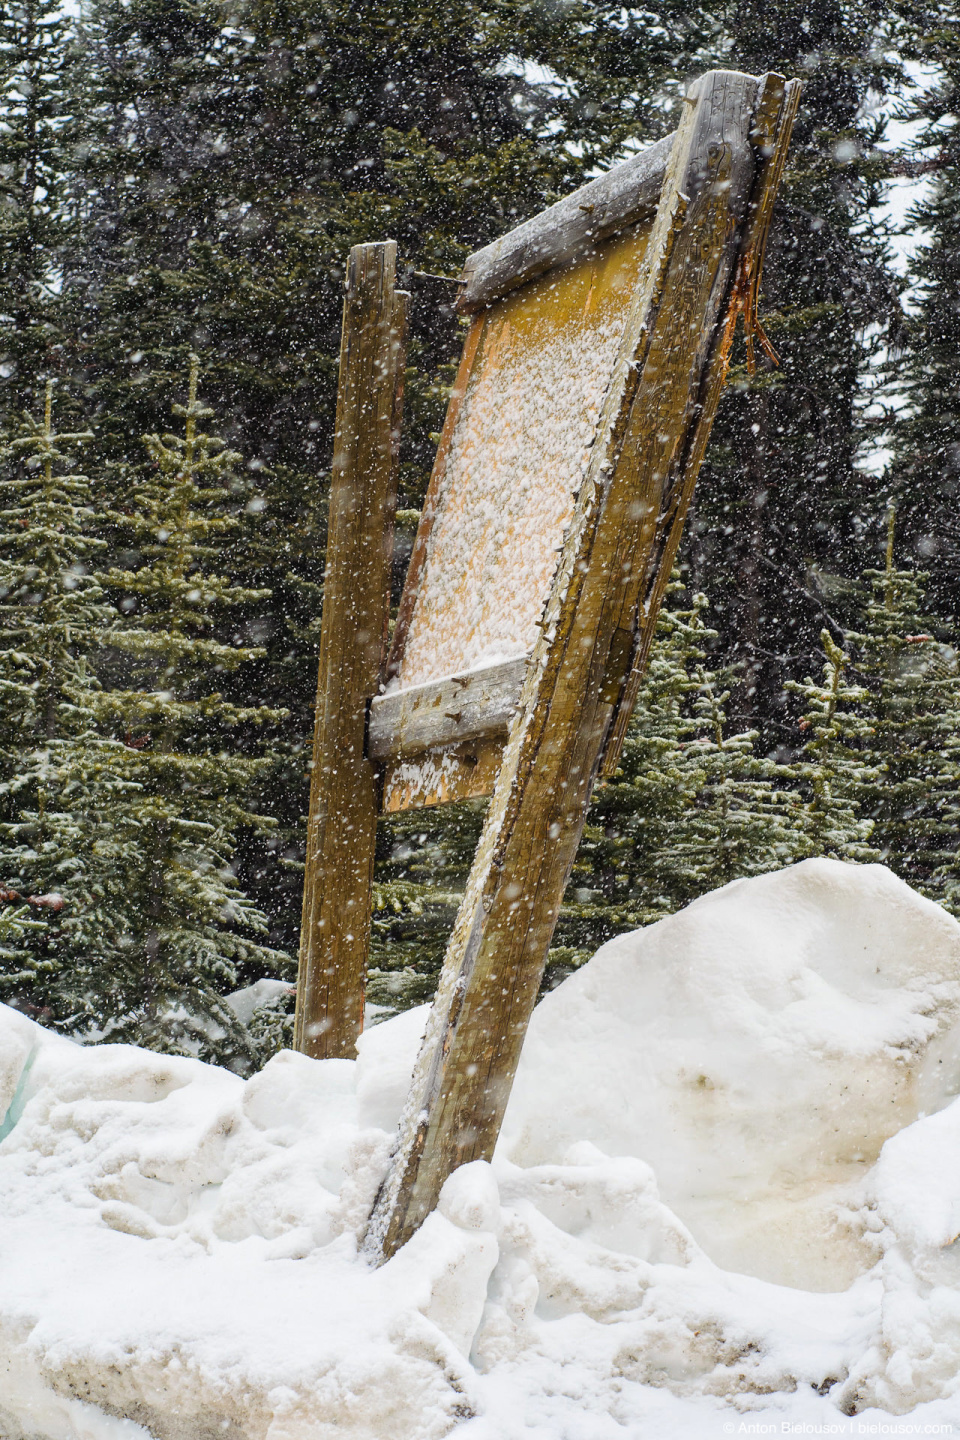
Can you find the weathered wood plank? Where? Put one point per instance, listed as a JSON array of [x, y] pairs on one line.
[[341, 830], [479, 703], [625, 194], [776, 110], [495, 958], [444, 776]]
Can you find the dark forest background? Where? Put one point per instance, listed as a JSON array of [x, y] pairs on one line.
[[185, 177]]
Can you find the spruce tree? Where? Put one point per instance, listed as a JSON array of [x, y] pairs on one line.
[[64, 785], [51, 604], [627, 871], [781, 494], [36, 138], [912, 674], [692, 806], [18, 973], [747, 820], [837, 763], [194, 926], [925, 472], [423, 860]]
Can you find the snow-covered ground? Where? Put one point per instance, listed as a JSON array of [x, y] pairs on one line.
[[725, 1202]]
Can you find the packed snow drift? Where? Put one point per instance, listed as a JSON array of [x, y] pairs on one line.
[[727, 1192]]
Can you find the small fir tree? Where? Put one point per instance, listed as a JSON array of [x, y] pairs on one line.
[[63, 783], [914, 709], [17, 967], [51, 606], [691, 806], [746, 820], [193, 939], [423, 860], [625, 874], [836, 762]]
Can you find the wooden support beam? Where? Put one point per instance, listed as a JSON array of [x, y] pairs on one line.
[[776, 110], [476, 705], [624, 195], [579, 667], [341, 830]]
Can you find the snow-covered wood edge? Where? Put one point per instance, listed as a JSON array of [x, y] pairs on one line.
[[772, 128], [628, 193]]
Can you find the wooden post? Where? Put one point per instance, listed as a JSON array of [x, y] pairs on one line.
[[578, 672], [773, 120], [341, 829]]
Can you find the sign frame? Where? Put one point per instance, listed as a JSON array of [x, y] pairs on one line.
[[561, 712]]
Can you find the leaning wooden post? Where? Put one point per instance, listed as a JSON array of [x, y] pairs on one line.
[[341, 829], [636, 484]]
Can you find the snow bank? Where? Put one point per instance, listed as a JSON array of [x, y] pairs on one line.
[[178, 1246], [756, 1049]]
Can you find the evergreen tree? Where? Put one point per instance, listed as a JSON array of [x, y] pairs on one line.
[[914, 683], [63, 784], [18, 970], [193, 922], [781, 495], [132, 837], [692, 805], [925, 473], [746, 821], [628, 871], [51, 605], [837, 762], [35, 157], [423, 860]]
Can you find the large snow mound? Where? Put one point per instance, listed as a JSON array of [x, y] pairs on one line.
[[756, 1049], [178, 1248]]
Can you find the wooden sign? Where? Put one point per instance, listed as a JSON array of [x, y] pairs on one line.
[[582, 407], [536, 370]]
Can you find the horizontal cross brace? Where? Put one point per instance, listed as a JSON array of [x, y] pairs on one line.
[[625, 195], [475, 705]]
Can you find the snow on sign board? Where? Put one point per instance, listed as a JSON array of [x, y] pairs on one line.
[[538, 371], [536, 368]]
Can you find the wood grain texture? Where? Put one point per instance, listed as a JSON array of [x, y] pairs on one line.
[[770, 132], [576, 675], [443, 776], [627, 193], [341, 830], [480, 703]]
